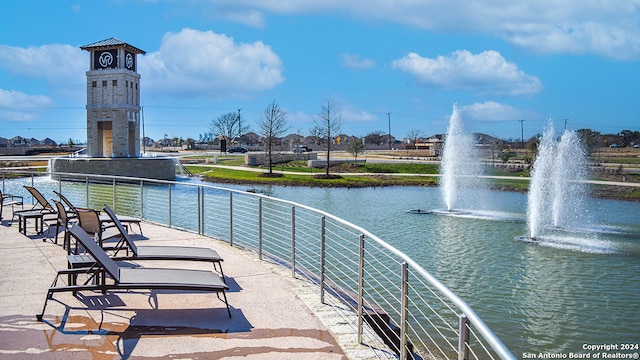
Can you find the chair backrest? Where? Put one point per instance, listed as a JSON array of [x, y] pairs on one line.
[[96, 251], [89, 221], [39, 198], [62, 212], [66, 202], [123, 232]]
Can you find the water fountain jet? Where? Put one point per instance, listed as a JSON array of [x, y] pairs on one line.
[[460, 167], [557, 189]]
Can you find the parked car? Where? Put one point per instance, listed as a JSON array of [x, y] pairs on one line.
[[237, 149], [301, 149], [614, 145], [636, 146]]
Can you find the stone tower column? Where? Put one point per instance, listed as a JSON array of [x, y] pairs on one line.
[[113, 99]]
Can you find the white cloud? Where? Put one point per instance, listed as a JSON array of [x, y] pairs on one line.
[[61, 65], [206, 64], [484, 73], [298, 119], [250, 18], [493, 111], [580, 38], [354, 61], [605, 28], [353, 114], [16, 106]]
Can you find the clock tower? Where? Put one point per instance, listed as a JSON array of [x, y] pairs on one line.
[[113, 118], [113, 100]]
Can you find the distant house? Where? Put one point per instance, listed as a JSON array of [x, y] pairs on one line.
[[293, 139], [432, 145], [48, 142], [250, 139]]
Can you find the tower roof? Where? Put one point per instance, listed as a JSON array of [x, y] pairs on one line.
[[111, 42]]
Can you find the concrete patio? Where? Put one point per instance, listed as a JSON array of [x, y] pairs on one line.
[[273, 315]]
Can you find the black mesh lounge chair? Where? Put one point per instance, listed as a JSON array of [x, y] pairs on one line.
[[187, 253], [91, 222], [103, 218], [125, 278], [62, 221], [41, 205], [40, 210]]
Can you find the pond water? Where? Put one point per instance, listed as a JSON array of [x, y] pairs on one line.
[[578, 287]]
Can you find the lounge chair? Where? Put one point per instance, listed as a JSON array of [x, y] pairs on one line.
[[90, 222], [72, 211], [62, 220], [41, 205], [103, 218], [147, 252], [38, 212], [9, 200], [125, 278]]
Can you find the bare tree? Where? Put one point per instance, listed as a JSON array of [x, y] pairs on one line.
[[315, 135], [328, 124], [225, 126], [374, 137], [413, 136], [272, 125]]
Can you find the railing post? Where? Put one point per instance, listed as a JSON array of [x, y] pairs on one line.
[[200, 209], [86, 189], [260, 228], [230, 218], [142, 199], [463, 339], [115, 206], [322, 258], [293, 241], [169, 202], [403, 311], [361, 289]]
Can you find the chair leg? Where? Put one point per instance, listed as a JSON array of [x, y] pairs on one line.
[[44, 307], [221, 272], [57, 228], [224, 294]]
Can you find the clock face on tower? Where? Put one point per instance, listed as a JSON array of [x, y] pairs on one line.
[[129, 61], [107, 59]]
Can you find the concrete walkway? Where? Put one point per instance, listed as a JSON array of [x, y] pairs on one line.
[[271, 313]]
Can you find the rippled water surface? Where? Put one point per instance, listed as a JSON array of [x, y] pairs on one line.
[[578, 286]]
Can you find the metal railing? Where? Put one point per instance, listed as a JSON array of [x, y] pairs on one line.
[[392, 302]]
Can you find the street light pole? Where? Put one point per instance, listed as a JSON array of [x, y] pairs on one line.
[[389, 117], [521, 133]]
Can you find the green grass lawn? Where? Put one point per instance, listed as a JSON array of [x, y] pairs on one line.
[[379, 175]]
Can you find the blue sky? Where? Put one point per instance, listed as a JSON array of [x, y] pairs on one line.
[[573, 62]]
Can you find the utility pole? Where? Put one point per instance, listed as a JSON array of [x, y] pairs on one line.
[[565, 124], [521, 133], [389, 117]]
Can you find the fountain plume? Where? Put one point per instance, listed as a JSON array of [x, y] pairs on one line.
[[460, 165], [557, 189]]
